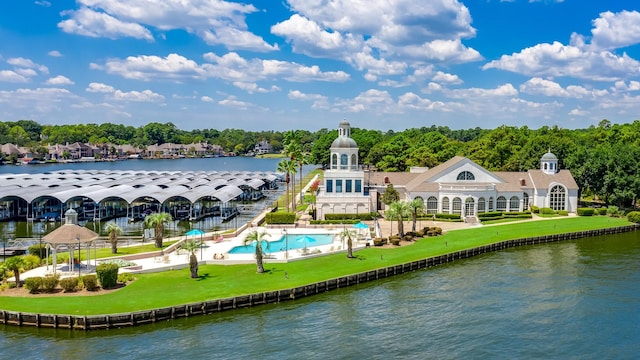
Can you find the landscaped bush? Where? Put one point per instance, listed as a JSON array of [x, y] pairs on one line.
[[90, 282], [362, 217], [33, 284], [585, 211], [602, 211], [634, 217], [613, 211], [69, 284], [50, 282], [107, 275], [280, 218], [395, 242], [35, 250], [563, 212], [442, 216], [120, 262], [490, 214], [379, 241], [31, 262], [535, 209], [328, 222], [547, 211], [125, 277]]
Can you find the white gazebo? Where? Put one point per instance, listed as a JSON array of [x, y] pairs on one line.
[[71, 235]]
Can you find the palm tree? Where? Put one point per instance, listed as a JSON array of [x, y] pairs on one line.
[[191, 246], [259, 239], [157, 221], [283, 166], [348, 234], [113, 230], [417, 207], [15, 264], [398, 210]]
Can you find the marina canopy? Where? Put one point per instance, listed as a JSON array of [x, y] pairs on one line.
[[131, 185]]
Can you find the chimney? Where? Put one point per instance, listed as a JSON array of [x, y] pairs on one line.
[[522, 182]]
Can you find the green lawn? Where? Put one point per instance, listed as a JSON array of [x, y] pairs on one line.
[[102, 253], [217, 281]]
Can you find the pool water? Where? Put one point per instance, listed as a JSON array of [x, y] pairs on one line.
[[294, 242]]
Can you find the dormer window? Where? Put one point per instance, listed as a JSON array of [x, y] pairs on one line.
[[466, 176]]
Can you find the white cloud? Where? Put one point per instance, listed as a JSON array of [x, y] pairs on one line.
[[100, 88], [59, 80], [616, 30], [12, 76], [27, 63], [372, 100], [91, 23], [138, 96], [206, 99], [442, 77], [506, 90], [252, 87], [307, 37], [215, 21], [231, 101], [54, 53], [578, 112], [318, 101]]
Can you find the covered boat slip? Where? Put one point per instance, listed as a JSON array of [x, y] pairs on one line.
[[102, 195]]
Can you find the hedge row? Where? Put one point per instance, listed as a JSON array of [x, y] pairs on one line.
[[280, 218], [362, 217]]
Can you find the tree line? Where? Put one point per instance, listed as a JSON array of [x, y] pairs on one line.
[[603, 159]]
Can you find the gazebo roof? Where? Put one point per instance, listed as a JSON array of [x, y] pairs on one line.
[[70, 234]]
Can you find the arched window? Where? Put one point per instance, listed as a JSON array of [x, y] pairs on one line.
[[501, 203], [466, 175], [525, 202], [514, 203], [457, 205], [490, 204], [344, 161], [445, 205], [334, 161], [432, 205], [354, 162], [481, 205], [557, 197]]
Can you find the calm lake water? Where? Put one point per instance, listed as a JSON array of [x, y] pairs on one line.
[[570, 300]]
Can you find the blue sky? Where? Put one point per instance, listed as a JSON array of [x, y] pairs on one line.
[[308, 64]]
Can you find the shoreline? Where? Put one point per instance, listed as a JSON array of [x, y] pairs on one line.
[[141, 317]]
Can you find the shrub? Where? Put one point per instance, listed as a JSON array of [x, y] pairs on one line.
[[119, 262], [69, 284], [601, 211], [585, 211], [634, 217], [535, 209], [563, 212], [107, 275], [50, 282], [547, 211], [125, 277], [31, 262], [33, 284], [280, 218], [35, 250], [613, 211], [447, 216], [90, 282], [395, 242]]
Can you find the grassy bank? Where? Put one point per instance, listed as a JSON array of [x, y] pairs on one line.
[[216, 281]]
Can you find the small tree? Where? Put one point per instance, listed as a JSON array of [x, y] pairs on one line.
[[398, 211], [191, 246], [417, 207], [390, 195], [348, 235], [157, 221], [15, 264], [259, 239], [113, 230]]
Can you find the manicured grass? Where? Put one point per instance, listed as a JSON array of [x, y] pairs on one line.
[[219, 281]]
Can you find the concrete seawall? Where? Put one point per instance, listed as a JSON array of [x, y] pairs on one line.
[[95, 322]]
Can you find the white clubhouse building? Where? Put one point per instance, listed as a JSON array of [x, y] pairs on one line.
[[457, 186]]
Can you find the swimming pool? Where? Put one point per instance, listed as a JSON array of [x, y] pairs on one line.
[[294, 241]]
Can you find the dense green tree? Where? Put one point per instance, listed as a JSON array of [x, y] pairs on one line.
[[157, 221]]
